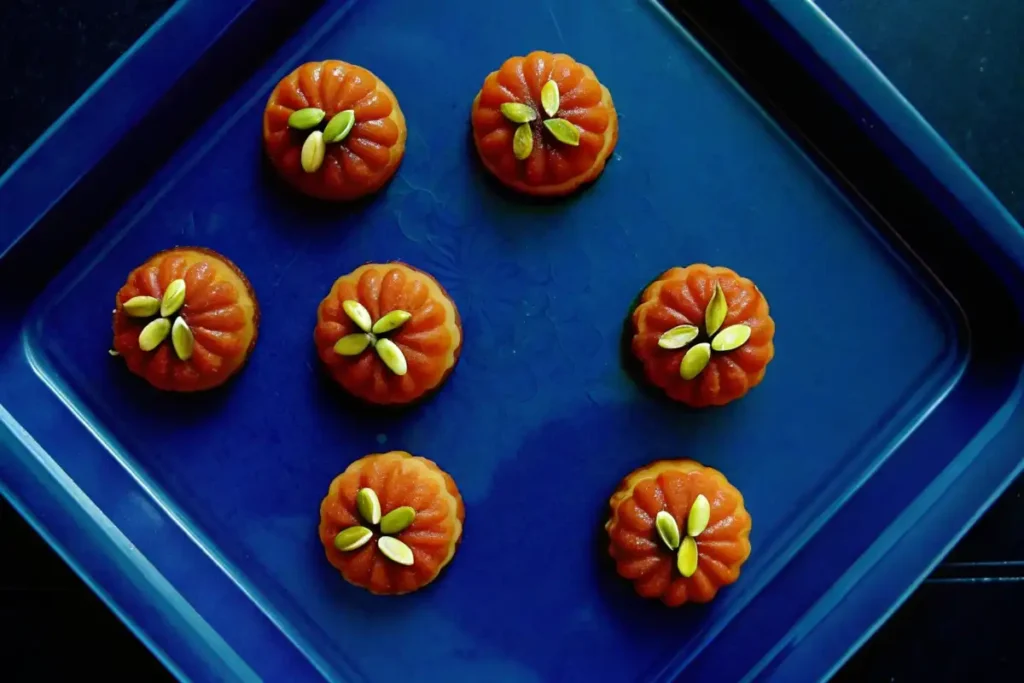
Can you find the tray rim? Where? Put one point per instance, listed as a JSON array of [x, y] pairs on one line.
[[951, 173], [193, 27]]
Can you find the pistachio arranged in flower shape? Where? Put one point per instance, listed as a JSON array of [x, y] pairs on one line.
[[396, 521], [315, 146], [685, 547], [167, 322], [373, 335], [523, 114], [717, 339]]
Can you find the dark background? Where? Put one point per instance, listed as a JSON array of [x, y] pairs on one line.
[[961, 63]]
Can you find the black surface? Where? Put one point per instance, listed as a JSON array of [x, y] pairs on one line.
[[51, 625], [960, 63]]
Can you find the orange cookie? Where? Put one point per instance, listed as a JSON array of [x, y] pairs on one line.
[[334, 130], [388, 333], [391, 522], [186, 320], [703, 335], [678, 531], [543, 124]]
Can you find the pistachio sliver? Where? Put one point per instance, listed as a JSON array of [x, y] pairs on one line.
[[154, 333], [563, 131], [678, 337], [522, 141], [368, 505], [668, 530], [391, 321], [339, 126], [517, 112], [313, 150], [695, 360], [549, 98], [141, 306], [732, 337], [352, 538], [182, 339], [686, 559], [358, 314], [173, 299], [304, 119], [352, 344], [397, 520], [392, 356], [714, 314], [395, 550], [700, 515]]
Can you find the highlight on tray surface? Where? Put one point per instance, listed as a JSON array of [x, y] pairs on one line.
[[333, 130], [678, 531], [703, 334], [185, 320], [391, 522], [388, 333], [543, 124]]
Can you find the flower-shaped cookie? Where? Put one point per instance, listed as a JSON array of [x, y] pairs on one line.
[[334, 130], [186, 320], [678, 531], [543, 124], [388, 333], [703, 334], [391, 522]]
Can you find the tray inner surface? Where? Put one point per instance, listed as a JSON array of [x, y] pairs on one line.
[[540, 421]]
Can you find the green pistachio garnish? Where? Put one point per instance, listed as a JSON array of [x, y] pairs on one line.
[[397, 520], [678, 337], [154, 333], [395, 550], [358, 314], [695, 360], [182, 339], [518, 113], [368, 505], [716, 311], [668, 530], [304, 119], [355, 344], [352, 538], [141, 306], [352, 344], [563, 131], [112, 353], [719, 340], [173, 299], [392, 356], [696, 522], [549, 98], [732, 337], [339, 126], [522, 141], [313, 150], [700, 514], [391, 321], [686, 559]]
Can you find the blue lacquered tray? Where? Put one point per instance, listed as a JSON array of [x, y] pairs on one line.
[[752, 135]]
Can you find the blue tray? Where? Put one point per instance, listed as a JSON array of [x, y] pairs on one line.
[[888, 421]]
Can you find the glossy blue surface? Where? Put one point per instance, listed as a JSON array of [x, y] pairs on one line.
[[196, 517]]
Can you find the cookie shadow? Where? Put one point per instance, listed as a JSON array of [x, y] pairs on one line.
[[514, 200], [311, 213]]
